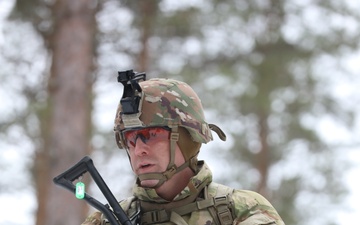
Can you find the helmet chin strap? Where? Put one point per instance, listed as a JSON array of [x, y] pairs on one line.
[[171, 169]]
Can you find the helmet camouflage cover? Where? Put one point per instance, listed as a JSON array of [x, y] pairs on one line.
[[166, 102]]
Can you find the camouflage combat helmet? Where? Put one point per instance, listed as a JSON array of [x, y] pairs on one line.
[[165, 103]]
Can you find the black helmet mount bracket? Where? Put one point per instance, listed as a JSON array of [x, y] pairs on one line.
[[131, 96]]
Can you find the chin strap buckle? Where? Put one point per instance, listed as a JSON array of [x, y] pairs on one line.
[[170, 172]]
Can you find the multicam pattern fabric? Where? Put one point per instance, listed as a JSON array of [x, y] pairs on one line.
[[167, 102], [93, 219], [250, 207]]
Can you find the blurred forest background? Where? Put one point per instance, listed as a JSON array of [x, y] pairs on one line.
[[280, 77]]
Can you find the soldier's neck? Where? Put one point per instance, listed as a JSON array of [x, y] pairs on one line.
[[171, 188]]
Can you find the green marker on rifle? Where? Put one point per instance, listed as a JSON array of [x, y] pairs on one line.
[[80, 190]]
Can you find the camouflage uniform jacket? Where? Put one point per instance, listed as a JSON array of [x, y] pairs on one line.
[[245, 207]]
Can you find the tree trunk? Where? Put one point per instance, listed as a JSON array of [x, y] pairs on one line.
[[68, 125], [148, 10], [263, 157]]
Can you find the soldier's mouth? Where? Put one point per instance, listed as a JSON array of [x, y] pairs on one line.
[[145, 166]]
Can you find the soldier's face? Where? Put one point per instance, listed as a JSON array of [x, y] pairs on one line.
[[150, 153]]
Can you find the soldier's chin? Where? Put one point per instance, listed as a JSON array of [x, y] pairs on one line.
[[149, 183]]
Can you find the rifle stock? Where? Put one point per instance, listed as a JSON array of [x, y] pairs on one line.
[[85, 165]]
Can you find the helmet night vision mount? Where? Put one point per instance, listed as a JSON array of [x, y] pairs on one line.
[[131, 97]]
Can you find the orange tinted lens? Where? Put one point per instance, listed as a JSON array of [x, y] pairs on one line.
[[145, 135]]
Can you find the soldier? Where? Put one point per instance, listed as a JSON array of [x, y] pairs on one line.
[[161, 125]]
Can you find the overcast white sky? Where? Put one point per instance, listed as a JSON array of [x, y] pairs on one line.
[[18, 207]]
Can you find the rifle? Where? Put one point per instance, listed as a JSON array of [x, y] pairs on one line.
[[86, 164]]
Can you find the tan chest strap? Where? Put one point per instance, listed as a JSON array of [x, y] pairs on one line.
[[220, 208]]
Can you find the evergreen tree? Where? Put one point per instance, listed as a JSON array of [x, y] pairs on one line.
[[68, 30], [261, 67]]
